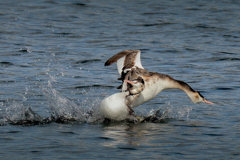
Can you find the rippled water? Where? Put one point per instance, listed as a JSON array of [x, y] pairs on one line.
[[51, 62]]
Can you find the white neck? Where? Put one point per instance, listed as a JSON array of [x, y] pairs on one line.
[[154, 86]]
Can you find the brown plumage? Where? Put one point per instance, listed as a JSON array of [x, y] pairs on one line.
[[129, 60], [131, 69], [139, 86]]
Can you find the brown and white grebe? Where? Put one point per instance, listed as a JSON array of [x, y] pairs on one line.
[[139, 86]]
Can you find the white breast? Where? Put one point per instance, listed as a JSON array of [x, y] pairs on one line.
[[114, 107]]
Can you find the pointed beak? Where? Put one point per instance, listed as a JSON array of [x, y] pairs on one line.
[[208, 102], [130, 82]]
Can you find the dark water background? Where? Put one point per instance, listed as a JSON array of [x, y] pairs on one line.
[[51, 60]]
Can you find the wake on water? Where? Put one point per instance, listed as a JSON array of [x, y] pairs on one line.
[[63, 110]]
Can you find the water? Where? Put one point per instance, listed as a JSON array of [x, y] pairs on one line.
[[51, 62]]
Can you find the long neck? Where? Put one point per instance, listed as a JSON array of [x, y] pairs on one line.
[[176, 84]]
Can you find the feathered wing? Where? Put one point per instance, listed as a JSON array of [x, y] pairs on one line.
[[126, 60]]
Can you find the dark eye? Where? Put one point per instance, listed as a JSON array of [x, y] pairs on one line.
[[196, 97]]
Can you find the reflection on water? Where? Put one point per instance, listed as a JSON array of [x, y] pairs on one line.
[[131, 136], [170, 139]]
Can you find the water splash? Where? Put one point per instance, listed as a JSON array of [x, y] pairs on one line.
[[17, 114], [167, 112], [64, 110], [63, 107]]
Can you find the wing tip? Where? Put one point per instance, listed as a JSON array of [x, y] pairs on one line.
[[119, 55], [108, 62]]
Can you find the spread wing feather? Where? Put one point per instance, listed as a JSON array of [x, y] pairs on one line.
[[126, 60]]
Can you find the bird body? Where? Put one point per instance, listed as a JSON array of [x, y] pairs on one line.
[[114, 107], [148, 86]]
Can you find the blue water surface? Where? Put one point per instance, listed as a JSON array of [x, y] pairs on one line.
[[52, 61]]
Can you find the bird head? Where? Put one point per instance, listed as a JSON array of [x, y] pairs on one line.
[[198, 98], [136, 85]]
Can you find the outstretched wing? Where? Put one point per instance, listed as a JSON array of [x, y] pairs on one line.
[[126, 60]]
